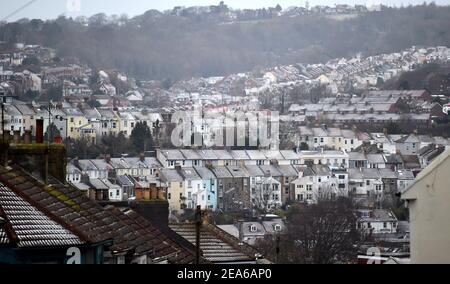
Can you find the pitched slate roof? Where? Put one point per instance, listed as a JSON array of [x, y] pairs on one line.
[[290, 155], [217, 245], [189, 174], [273, 155], [205, 173], [223, 155], [190, 154], [375, 159], [288, 170], [254, 171], [237, 172], [239, 155], [394, 159], [274, 171], [85, 219], [173, 154], [221, 172], [171, 175]]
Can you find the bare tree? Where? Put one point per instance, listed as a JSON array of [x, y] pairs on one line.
[[263, 197], [324, 233]]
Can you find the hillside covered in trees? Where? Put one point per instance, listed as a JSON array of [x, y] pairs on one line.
[[163, 46]]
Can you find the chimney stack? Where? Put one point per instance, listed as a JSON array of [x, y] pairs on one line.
[[39, 131], [142, 157], [108, 158], [76, 162], [16, 138], [27, 137]]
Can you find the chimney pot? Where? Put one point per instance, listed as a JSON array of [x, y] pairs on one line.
[[58, 140]]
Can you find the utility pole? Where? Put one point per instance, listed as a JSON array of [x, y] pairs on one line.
[[47, 151], [278, 250], [3, 119], [198, 224]]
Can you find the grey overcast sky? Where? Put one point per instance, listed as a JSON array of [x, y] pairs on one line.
[[48, 9]]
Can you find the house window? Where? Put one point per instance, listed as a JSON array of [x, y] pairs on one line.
[[189, 184], [309, 187], [169, 196], [385, 225], [368, 182]]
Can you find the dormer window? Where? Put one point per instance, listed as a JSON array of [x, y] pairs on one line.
[[253, 229], [277, 228]]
